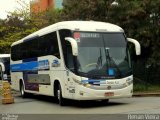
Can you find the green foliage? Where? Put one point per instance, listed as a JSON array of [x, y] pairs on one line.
[[142, 22], [18, 25], [143, 88], [53, 15], [14, 29]]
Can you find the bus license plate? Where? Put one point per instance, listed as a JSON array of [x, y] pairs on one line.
[[109, 93]]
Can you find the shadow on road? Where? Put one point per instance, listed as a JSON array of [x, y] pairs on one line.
[[74, 103], [93, 104]]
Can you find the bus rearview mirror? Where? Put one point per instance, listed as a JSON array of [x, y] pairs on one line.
[[73, 45], [137, 45]]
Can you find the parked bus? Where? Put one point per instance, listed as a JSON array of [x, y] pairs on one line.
[[79, 60], [5, 67]]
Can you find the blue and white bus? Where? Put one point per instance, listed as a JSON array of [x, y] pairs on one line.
[[79, 60]]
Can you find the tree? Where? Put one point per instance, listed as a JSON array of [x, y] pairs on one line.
[[18, 25]]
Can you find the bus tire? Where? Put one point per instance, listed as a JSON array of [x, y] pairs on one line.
[[60, 98], [23, 93]]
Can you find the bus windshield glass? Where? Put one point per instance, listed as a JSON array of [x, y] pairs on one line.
[[102, 55]]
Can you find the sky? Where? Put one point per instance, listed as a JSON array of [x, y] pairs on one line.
[[9, 6]]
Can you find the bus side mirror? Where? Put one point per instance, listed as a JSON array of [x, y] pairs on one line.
[[137, 45], [2, 67], [74, 45]]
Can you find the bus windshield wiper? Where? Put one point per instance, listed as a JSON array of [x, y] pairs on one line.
[[99, 61]]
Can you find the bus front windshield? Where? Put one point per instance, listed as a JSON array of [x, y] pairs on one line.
[[102, 55]]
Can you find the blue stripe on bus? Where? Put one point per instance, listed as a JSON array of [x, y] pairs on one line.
[[30, 66], [24, 66], [92, 80]]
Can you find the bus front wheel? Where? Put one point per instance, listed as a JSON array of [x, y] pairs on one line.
[[61, 100]]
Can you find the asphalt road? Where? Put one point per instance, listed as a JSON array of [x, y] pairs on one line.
[[37, 104]]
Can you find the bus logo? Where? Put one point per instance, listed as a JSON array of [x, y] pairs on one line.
[[55, 63]]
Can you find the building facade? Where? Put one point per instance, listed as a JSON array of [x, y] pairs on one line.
[[37, 6]]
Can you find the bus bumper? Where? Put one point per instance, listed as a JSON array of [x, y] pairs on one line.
[[84, 93]]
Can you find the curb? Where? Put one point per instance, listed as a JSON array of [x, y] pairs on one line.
[[146, 94]]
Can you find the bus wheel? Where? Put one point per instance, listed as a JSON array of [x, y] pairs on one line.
[[61, 100], [23, 93]]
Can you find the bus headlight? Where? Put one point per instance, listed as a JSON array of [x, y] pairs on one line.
[[77, 81], [86, 85], [80, 83]]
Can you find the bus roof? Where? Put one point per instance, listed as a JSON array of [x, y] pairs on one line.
[[93, 26], [4, 55]]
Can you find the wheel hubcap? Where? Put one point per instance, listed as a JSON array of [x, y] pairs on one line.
[[22, 90], [58, 94]]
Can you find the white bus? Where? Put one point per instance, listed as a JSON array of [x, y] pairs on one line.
[[79, 60], [5, 67]]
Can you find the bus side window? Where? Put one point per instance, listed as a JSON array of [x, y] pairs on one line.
[[15, 55], [69, 61], [48, 45]]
